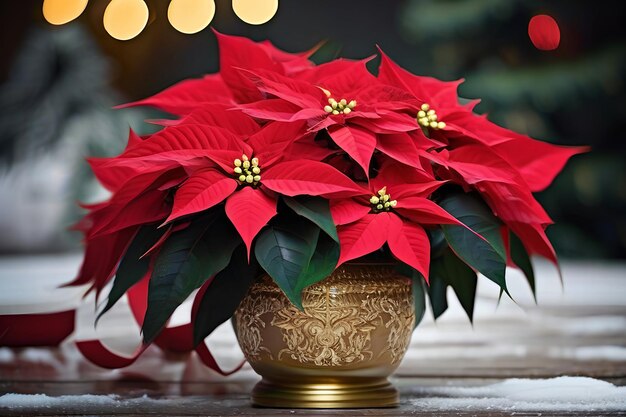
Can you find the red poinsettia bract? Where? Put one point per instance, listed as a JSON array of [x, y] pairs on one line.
[[360, 163]]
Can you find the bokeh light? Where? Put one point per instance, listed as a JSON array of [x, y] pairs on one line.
[[59, 12], [125, 19], [544, 32], [190, 16], [255, 12]]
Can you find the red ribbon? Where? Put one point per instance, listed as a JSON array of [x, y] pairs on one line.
[[175, 339], [45, 329]]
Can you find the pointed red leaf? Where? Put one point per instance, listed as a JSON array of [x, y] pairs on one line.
[[270, 143], [397, 175], [292, 90], [427, 89], [535, 240], [347, 210], [250, 210], [201, 192], [388, 122], [424, 211], [274, 109], [137, 201], [476, 163], [399, 146], [363, 237], [346, 78], [409, 243], [188, 95], [177, 141], [305, 177], [102, 255], [149, 207], [513, 203], [239, 52], [538, 162], [357, 143], [223, 115]]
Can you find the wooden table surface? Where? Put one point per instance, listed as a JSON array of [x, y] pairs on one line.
[[576, 331]]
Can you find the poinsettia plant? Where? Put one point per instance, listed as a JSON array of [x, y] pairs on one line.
[[281, 166]]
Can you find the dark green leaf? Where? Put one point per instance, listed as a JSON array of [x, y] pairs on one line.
[[317, 210], [132, 268], [419, 297], [459, 276], [185, 262], [323, 263], [437, 294], [419, 289], [522, 260], [285, 251], [224, 294], [486, 255]]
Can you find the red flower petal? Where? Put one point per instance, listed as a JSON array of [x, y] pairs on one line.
[[304, 177], [357, 143], [535, 240], [387, 122], [513, 203], [200, 192], [272, 141], [538, 162], [223, 116], [425, 89], [363, 237], [294, 91], [101, 257], [476, 163], [347, 211], [250, 210], [424, 211], [276, 109], [239, 52], [409, 243], [186, 96]]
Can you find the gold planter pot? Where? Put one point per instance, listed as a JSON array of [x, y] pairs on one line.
[[338, 353]]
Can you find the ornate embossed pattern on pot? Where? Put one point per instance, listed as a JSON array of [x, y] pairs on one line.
[[338, 352]]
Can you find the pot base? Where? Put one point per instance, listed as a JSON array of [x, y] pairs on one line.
[[378, 393]]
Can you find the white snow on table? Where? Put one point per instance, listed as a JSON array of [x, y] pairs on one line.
[[564, 394], [555, 394]]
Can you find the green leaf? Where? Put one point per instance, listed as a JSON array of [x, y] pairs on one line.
[[188, 258], [488, 256], [224, 294], [317, 210], [437, 294], [419, 297], [419, 289], [323, 263], [459, 276], [132, 269], [522, 260], [285, 251]]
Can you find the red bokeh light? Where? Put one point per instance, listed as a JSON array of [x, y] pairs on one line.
[[544, 32]]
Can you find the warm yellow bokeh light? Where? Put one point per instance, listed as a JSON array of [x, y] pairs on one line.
[[255, 12], [125, 19], [190, 16], [59, 12]]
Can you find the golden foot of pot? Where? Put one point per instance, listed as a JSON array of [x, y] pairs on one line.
[[376, 393]]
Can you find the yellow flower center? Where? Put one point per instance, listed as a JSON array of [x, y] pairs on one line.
[[336, 107], [427, 117], [247, 171], [382, 201]]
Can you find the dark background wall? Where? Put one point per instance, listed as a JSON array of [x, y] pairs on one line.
[[574, 95]]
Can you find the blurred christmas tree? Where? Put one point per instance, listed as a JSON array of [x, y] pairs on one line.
[[573, 95]]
